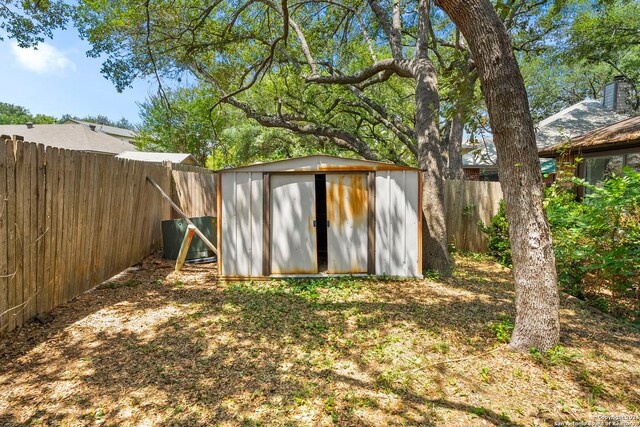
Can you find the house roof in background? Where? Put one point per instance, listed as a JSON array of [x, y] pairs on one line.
[[111, 130], [70, 137], [479, 155], [485, 157], [622, 134], [184, 158], [556, 129], [573, 121]]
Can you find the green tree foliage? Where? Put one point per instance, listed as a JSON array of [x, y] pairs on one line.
[[553, 85], [599, 237], [498, 236], [342, 38], [183, 120], [608, 32], [236, 48], [596, 241], [16, 115], [183, 127], [589, 42], [598, 40], [29, 21]]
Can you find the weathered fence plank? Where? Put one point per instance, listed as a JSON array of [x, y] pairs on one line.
[[195, 193], [4, 238], [68, 221], [41, 214], [51, 157], [13, 289], [30, 232], [22, 184], [466, 203], [60, 226]]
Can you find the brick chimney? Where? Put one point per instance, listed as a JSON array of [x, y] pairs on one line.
[[617, 95]]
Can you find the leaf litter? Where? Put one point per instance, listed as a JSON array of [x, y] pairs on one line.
[[154, 347]]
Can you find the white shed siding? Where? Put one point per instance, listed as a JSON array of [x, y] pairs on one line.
[[397, 223], [257, 207], [241, 224]]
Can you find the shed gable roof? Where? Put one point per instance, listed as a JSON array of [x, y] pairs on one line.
[[145, 156], [317, 163]]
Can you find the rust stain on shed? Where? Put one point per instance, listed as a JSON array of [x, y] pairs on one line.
[[346, 198], [358, 197]]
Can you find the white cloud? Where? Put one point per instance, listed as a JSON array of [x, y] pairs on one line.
[[44, 59]]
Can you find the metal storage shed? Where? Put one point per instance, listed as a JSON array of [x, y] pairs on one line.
[[319, 215]]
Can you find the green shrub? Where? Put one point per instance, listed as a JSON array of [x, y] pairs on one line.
[[596, 241], [503, 329], [554, 356], [498, 232], [600, 236]]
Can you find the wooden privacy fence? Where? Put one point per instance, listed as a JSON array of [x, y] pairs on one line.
[[70, 220], [194, 190], [466, 203]]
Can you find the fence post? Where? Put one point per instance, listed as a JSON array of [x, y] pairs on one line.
[[168, 212]]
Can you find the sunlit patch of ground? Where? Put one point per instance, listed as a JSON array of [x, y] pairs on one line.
[[152, 347]]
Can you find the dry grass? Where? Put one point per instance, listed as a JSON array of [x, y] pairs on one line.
[[156, 348]]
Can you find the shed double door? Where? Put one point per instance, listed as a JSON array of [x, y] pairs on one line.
[[294, 237], [347, 232]]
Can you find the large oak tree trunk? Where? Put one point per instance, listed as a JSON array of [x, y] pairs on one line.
[[537, 319], [454, 147], [435, 253], [465, 91]]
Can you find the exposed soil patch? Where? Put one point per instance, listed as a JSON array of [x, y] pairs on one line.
[[156, 348]]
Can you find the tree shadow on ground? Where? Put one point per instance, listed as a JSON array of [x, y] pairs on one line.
[[188, 351]]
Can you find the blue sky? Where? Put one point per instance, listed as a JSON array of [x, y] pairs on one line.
[[58, 78]]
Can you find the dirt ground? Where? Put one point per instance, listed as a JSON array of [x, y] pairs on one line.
[[154, 348]]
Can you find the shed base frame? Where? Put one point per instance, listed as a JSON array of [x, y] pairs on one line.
[[310, 276]]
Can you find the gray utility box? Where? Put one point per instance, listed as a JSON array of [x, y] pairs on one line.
[[173, 232]]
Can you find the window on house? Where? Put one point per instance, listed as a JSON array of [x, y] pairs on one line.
[[598, 169], [633, 161], [489, 175]]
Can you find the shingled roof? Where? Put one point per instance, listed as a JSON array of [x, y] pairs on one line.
[[556, 129], [623, 134], [111, 130], [70, 137]]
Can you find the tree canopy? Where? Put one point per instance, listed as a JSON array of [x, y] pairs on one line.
[[28, 22], [608, 33], [237, 49], [17, 115], [190, 125]]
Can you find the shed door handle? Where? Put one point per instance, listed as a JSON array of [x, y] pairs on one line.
[[328, 223], [315, 223]]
